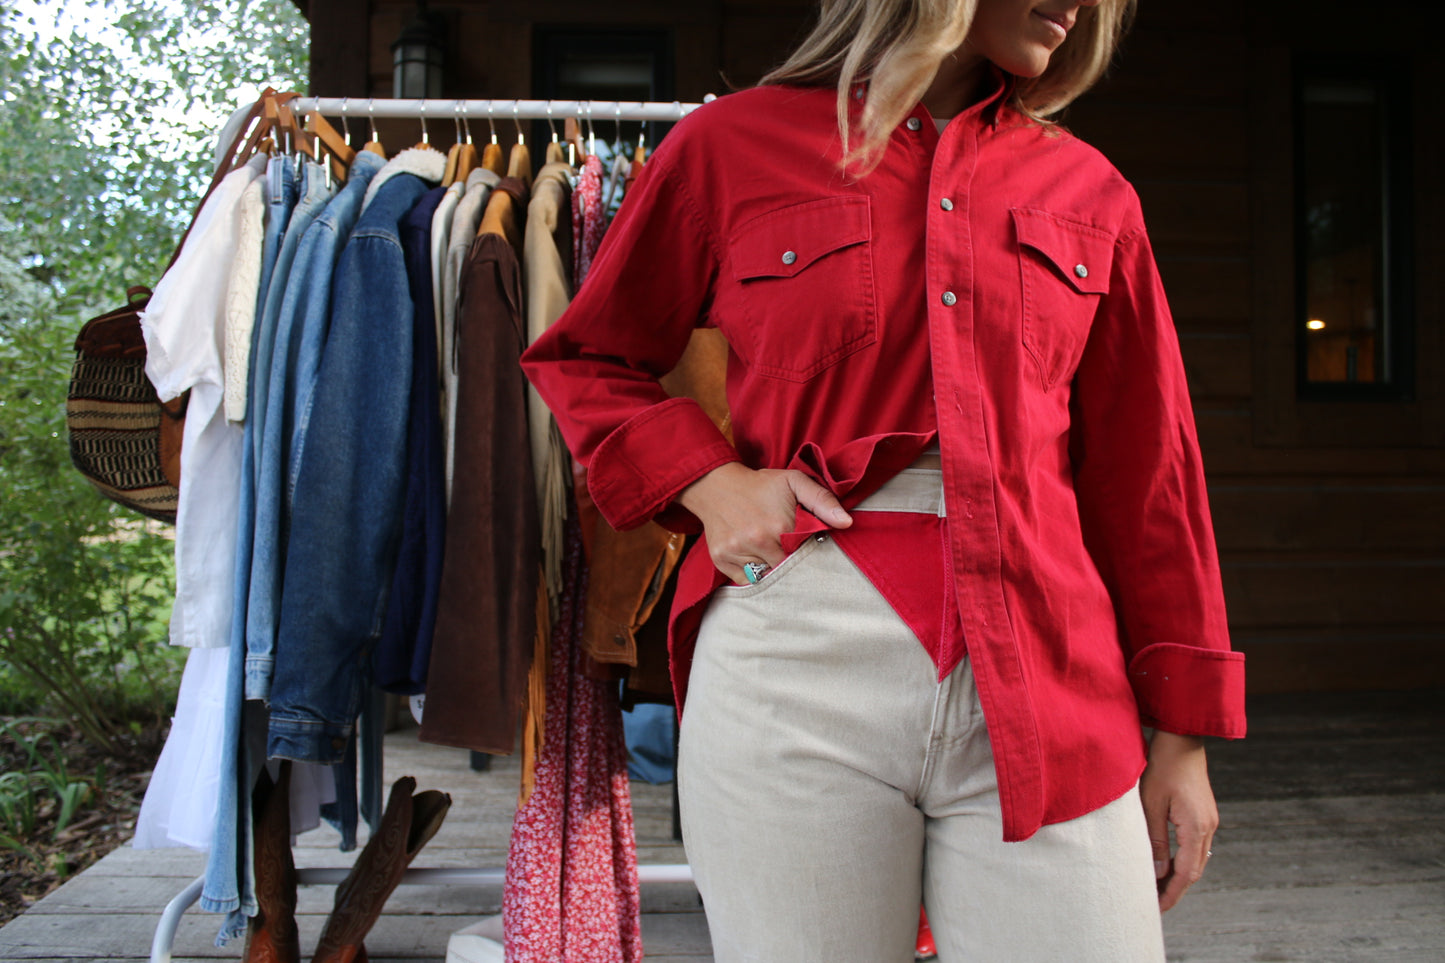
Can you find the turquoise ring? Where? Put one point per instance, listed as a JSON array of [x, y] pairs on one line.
[[754, 571]]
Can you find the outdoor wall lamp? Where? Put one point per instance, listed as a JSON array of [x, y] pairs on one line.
[[418, 55]]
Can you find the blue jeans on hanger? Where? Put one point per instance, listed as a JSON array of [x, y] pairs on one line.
[[228, 864], [300, 288]]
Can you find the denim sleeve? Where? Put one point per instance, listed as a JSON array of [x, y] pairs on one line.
[[346, 508]]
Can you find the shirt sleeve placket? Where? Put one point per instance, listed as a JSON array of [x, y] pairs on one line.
[[969, 472]]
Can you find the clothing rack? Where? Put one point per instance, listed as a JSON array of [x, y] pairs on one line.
[[494, 110], [459, 110], [170, 921]]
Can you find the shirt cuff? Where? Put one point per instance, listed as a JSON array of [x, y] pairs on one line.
[[1190, 691], [645, 463]]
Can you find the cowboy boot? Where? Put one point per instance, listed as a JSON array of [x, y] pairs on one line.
[[271, 935], [406, 826]]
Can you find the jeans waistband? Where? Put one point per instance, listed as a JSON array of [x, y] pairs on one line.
[[917, 488]]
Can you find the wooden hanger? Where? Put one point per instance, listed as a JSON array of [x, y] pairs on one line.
[[339, 153], [492, 153], [492, 159], [462, 158], [500, 218], [467, 162], [572, 133], [287, 129], [519, 164], [244, 147]]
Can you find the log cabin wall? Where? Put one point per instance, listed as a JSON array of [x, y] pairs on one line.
[[1330, 515]]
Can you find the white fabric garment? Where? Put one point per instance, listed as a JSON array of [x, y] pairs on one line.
[[465, 221], [241, 300], [179, 808], [441, 235], [184, 327], [313, 785]]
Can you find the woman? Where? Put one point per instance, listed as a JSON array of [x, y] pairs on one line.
[[956, 548]]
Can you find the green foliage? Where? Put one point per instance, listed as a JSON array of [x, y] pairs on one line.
[[106, 130], [39, 788]]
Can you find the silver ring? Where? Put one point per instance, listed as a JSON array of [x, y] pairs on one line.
[[754, 571], [1209, 853]]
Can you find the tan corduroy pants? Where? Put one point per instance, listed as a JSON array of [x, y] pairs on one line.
[[829, 782]]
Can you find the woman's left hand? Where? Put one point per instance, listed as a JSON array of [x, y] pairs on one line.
[[1175, 790]]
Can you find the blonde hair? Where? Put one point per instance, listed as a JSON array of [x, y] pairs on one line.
[[897, 45]]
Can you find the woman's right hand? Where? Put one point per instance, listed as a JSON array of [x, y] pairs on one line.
[[745, 512]]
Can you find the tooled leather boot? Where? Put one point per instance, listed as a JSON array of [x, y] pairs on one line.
[[271, 935], [406, 826]]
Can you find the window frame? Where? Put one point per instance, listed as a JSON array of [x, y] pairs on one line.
[[1391, 85]]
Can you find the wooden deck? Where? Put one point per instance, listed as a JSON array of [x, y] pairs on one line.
[[1332, 849]]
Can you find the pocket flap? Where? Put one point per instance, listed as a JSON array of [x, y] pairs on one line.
[[781, 243], [1081, 254]]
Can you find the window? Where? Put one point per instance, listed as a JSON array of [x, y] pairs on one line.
[[603, 64], [1355, 334]]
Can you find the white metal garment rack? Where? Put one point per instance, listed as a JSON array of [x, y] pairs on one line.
[[495, 110], [589, 112]]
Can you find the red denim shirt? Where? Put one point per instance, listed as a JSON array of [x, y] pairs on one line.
[[991, 286]]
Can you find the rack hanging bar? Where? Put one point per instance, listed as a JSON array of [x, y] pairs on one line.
[[597, 110]]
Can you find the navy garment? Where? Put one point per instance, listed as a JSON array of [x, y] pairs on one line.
[[399, 662]]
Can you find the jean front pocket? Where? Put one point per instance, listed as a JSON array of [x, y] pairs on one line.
[[1064, 267], [804, 278], [774, 576]]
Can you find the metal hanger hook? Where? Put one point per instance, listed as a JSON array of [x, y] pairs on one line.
[[490, 122], [517, 121], [345, 127], [422, 114], [617, 122], [457, 119], [466, 122], [550, 125], [371, 117]]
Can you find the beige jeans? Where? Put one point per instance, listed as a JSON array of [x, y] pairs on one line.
[[829, 783]]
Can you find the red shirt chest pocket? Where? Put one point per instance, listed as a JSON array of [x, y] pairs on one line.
[[802, 286], [1064, 268]]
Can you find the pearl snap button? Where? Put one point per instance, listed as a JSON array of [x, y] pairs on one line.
[[949, 298], [1081, 271], [790, 257], [946, 204], [914, 123]]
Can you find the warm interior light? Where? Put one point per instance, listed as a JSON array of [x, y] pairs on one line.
[[1316, 325]]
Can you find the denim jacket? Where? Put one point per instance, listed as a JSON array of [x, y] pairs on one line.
[[290, 370], [349, 472]]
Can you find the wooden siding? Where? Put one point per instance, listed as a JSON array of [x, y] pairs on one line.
[[1330, 516]]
